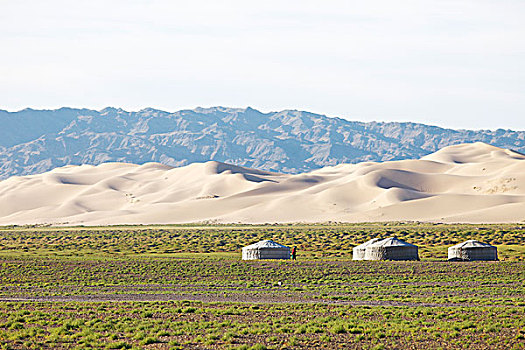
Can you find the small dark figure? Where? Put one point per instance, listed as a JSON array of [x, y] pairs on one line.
[[294, 253]]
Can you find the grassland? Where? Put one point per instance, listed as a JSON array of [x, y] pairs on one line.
[[314, 241], [163, 287], [198, 325]]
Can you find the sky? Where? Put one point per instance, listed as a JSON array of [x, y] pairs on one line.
[[457, 64]]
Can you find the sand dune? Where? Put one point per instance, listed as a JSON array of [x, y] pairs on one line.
[[464, 183]]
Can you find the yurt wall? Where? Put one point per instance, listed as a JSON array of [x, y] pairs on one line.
[[265, 250], [358, 253], [472, 250], [391, 249]]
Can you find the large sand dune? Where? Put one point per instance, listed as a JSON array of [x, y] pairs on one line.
[[464, 183]]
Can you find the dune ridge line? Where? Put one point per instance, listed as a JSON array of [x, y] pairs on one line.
[[471, 183]]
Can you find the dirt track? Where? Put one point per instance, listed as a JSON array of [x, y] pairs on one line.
[[244, 298]]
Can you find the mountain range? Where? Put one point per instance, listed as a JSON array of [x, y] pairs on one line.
[[289, 141]]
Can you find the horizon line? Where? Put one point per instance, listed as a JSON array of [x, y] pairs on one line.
[[257, 110]]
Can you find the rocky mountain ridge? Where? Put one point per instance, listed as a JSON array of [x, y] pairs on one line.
[[289, 141]]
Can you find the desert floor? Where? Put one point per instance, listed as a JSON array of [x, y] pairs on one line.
[[178, 287]]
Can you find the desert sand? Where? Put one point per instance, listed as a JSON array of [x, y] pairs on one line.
[[476, 183]]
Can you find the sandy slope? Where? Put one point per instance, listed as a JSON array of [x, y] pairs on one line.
[[464, 183]]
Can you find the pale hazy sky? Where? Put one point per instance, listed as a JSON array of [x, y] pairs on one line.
[[451, 63]]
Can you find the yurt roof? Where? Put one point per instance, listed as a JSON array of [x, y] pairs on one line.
[[265, 245], [367, 243], [472, 244], [392, 242]]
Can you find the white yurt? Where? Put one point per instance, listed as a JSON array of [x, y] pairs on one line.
[[265, 250], [472, 250], [391, 249], [358, 253]]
